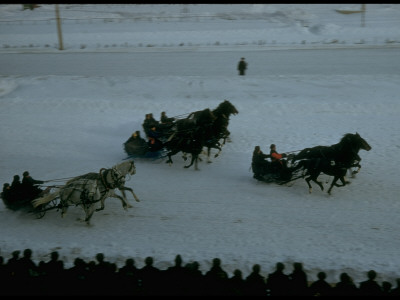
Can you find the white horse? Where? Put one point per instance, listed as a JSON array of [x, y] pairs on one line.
[[86, 190]]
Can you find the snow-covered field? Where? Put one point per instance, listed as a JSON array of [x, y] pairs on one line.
[[58, 125]]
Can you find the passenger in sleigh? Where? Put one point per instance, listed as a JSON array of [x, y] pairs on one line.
[[259, 164], [10, 198], [154, 143], [6, 193], [278, 164], [165, 125], [165, 120], [16, 187], [148, 123], [29, 186], [135, 138]]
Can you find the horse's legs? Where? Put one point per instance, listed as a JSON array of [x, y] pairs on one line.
[[65, 199], [353, 173], [335, 179], [125, 205], [208, 154], [131, 190], [333, 184], [102, 200], [170, 153], [89, 213], [319, 183], [64, 208], [314, 177], [309, 184], [194, 157], [344, 182]]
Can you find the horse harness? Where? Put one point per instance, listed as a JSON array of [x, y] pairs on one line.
[[117, 181]]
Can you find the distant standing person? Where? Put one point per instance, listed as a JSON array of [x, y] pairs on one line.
[[242, 66]]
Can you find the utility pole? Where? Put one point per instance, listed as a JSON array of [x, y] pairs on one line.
[[60, 40], [363, 9]]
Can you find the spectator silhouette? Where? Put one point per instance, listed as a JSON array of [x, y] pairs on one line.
[[54, 267], [53, 272], [216, 279], [298, 280], [102, 267], [320, 287], [255, 282], [370, 287], [41, 284], [194, 280], [77, 278], [236, 284], [278, 282], [396, 290], [27, 272], [100, 275], [386, 288], [346, 286], [3, 268], [4, 277], [28, 267], [13, 264], [150, 277], [174, 278], [129, 277], [111, 281]]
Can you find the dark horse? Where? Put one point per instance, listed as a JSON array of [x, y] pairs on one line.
[[332, 160], [189, 136], [313, 167], [204, 128], [345, 152], [219, 128]]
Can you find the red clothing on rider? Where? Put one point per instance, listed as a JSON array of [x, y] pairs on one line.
[[275, 156]]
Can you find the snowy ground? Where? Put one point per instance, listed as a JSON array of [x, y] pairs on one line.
[[58, 125]]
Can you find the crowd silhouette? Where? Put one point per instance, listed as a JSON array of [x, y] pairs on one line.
[[21, 276]]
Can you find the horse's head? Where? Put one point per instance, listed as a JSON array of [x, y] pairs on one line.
[[132, 168], [355, 142], [126, 167], [226, 108], [363, 143], [229, 108]]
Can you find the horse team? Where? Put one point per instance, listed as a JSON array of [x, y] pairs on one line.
[[209, 128], [201, 129]]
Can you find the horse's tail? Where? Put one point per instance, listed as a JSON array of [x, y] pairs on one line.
[[45, 199]]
